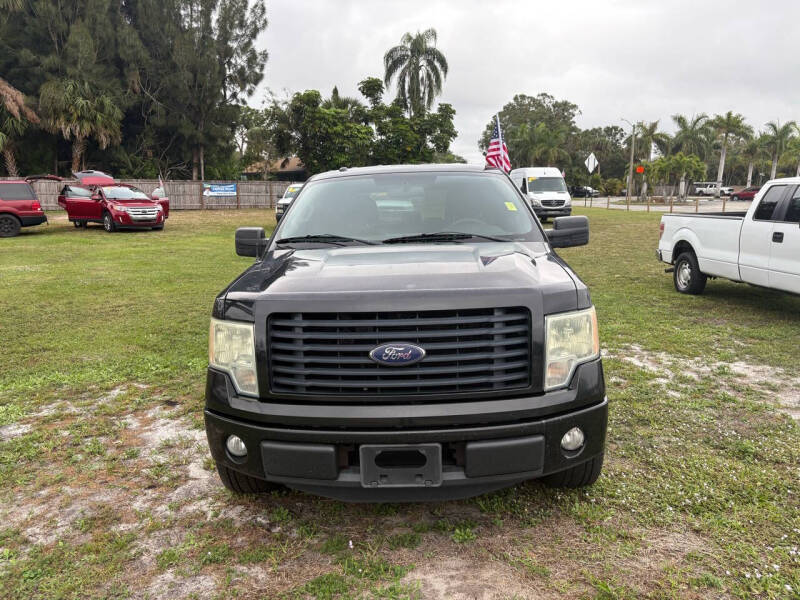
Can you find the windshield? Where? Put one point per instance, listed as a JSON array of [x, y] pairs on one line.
[[292, 191], [386, 206], [546, 184], [115, 192]]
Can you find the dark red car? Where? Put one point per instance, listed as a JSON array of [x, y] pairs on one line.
[[746, 194], [99, 198], [19, 207]]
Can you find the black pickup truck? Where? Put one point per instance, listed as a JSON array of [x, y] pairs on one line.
[[407, 333]]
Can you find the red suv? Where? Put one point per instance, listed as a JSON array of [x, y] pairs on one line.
[[19, 207], [746, 194], [98, 198]]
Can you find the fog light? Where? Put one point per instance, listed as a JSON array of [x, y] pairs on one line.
[[236, 446], [572, 440]]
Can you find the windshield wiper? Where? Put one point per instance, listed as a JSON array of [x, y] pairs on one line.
[[325, 238], [441, 236]]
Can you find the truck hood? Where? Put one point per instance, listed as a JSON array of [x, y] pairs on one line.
[[548, 196], [135, 203], [414, 275]]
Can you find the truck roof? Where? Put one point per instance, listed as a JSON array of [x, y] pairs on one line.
[[538, 171], [425, 168]]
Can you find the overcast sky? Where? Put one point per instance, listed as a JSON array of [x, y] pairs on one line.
[[641, 60]]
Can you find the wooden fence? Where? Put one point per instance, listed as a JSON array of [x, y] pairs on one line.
[[185, 194]]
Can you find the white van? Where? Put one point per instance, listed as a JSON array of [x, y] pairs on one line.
[[545, 189]]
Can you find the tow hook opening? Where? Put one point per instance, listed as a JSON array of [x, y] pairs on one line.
[[401, 459]]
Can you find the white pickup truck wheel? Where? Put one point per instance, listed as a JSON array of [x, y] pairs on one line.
[[687, 276]]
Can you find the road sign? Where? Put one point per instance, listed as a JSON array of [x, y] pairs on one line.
[[591, 162], [639, 169]]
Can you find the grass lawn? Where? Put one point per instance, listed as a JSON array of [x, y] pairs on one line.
[[107, 491]]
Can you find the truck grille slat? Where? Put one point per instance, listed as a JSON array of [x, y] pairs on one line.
[[553, 202], [466, 351]]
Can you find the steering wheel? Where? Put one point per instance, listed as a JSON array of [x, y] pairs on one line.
[[478, 222]]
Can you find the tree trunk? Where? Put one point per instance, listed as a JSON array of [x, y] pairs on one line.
[[195, 163], [644, 191], [11, 161], [202, 163], [749, 173], [774, 166], [78, 148], [797, 172], [721, 168]]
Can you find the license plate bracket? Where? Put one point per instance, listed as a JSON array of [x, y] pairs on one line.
[[400, 465]]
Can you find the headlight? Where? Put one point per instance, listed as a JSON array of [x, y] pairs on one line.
[[120, 207], [570, 339], [231, 348], [159, 208], [535, 202]]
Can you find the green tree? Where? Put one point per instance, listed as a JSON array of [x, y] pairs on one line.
[[73, 109], [777, 136], [531, 110], [751, 151], [691, 135], [15, 118], [649, 136], [727, 127], [323, 138], [420, 68]]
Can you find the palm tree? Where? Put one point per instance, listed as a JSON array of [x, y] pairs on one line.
[[71, 108], [549, 145], [728, 126], [15, 117], [752, 151], [420, 69], [348, 103], [690, 138], [649, 136], [777, 136]]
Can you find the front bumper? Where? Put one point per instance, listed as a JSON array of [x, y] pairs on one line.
[[558, 211], [485, 445], [125, 221], [32, 220]]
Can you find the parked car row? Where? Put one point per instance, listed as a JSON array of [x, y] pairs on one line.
[[97, 198]]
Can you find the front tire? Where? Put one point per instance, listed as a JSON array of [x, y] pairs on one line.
[[687, 277], [240, 483], [108, 223], [9, 226], [734, 198], [578, 476]]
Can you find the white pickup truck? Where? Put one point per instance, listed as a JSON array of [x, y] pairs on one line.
[[709, 188], [760, 246]]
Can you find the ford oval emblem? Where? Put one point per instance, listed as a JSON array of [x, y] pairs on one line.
[[397, 354]]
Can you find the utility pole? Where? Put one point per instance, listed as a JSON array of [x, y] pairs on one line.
[[630, 166]]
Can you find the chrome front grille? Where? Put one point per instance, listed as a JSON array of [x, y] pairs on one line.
[[143, 213], [552, 202], [466, 351]]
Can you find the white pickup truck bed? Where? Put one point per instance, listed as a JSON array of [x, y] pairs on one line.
[[761, 246]]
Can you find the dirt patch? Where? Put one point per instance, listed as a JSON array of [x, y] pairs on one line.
[[169, 585], [457, 578], [9, 432], [774, 382]]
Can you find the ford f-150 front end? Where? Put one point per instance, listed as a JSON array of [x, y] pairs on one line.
[[407, 334]]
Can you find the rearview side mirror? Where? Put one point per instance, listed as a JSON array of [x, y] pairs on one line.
[[251, 241], [568, 231]]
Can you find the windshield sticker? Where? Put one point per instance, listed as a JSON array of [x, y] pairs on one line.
[[511, 206]]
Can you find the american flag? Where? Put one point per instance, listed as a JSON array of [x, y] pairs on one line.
[[497, 155]]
